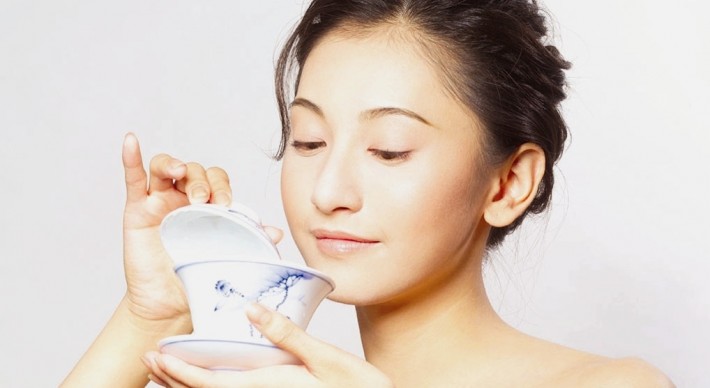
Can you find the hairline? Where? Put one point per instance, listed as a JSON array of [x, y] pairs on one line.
[[435, 51]]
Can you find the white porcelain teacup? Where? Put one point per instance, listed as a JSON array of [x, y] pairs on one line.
[[225, 260], [219, 290]]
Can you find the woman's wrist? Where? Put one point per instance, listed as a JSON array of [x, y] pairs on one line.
[[115, 355], [179, 323]]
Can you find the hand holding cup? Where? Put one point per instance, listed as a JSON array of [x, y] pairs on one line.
[[226, 262]]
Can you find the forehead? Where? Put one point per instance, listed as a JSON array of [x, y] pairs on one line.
[[377, 69]]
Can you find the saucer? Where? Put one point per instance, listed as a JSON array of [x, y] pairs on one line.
[[212, 353]]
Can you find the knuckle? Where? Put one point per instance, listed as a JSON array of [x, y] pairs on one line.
[[196, 176], [217, 172], [194, 166], [159, 159], [192, 185]]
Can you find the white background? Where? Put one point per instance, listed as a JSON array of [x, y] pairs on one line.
[[620, 266]]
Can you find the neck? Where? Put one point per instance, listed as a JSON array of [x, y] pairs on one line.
[[404, 339]]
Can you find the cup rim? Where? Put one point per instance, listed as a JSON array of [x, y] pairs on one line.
[[296, 266]]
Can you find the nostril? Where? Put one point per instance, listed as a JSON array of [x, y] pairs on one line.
[[337, 204]]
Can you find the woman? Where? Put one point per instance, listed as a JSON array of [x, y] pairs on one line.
[[419, 134]]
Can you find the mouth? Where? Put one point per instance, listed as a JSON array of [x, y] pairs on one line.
[[338, 242]]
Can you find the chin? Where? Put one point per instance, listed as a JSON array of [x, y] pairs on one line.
[[349, 298], [360, 296], [354, 281], [348, 292]]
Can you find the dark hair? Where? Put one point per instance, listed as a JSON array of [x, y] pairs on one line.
[[498, 63]]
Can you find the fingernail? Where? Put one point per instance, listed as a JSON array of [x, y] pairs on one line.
[[130, 139], [169, 362], [160, 361], [146, 362], [256, 313], [157, 380], [199, 194], [149, 359], [176, 166]]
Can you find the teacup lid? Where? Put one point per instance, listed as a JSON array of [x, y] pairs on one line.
[[197, 233]]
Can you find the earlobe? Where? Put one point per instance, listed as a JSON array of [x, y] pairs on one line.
[[515, 185]]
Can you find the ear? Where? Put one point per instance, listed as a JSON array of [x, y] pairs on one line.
[[515, 185]]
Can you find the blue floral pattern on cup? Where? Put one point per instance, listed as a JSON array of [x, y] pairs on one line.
[[272, 297]]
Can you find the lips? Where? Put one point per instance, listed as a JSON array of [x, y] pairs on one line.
[[338, 242]]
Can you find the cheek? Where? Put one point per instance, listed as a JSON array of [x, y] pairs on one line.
[[441, 203], [293, 185]]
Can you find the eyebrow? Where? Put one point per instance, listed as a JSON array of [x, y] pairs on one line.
[[369, 114], [302, 102], [385, 111]]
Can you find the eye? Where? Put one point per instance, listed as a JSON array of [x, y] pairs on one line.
[[307, 146], [390, 156]]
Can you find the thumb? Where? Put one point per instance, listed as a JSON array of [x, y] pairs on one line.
[[328, 364], [285, 334]]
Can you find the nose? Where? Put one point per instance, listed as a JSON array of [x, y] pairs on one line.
[[337, 187]]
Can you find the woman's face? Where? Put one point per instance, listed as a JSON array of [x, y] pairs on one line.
[[382, 184]]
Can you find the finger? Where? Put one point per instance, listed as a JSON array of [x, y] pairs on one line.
[[157, 380], [157, 374], [185, 374], [147, 360], [172, 383], [188, 375], [274, 233], [164, 169], [288, 336], [195, 184], [136, 179], [276, 376], [322, 361], [164, 376], [219, 186]]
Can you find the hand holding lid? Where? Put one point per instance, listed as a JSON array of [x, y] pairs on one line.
[[154, 295]]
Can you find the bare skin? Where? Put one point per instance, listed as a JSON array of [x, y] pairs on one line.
[[155, 306], [385, 192], [424, 316]]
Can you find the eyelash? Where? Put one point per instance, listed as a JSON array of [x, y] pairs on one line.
[[385, 155], [390, 156], [307, 145]]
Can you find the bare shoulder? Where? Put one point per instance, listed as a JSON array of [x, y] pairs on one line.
[[622, 373], [553, 365]]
